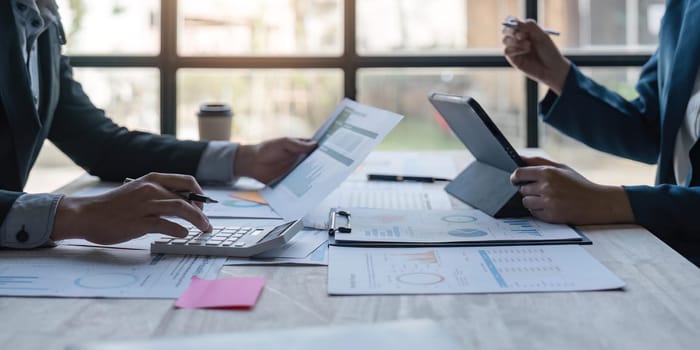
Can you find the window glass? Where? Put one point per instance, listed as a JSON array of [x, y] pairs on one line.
[[592, 25], [111, 27], [598, 166], [418, 27], [499, 91], [260, 27], [267, 103]]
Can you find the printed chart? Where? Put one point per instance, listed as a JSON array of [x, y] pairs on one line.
[[355, 270], [448, 226]]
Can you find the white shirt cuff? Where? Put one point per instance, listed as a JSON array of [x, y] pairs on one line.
[[29, 222], [216, 164]]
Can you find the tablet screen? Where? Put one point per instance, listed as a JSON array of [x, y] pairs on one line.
[[475, 129]]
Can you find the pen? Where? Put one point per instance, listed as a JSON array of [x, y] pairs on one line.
[[514, 25], [186, 195], [399, 178]]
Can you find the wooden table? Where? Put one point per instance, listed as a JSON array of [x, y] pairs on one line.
[[659, 308]]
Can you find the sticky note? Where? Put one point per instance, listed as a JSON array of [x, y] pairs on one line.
[[241, 292], [251, 196]]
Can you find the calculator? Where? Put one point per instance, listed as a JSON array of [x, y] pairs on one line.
[[229, 241]]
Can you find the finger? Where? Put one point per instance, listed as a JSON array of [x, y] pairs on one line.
[[533, 203], [531, 189], [181, 209], [159, 225], [298, 146], [175, 182], [538, 161], [517, 49], [525, 175], [530, 29]]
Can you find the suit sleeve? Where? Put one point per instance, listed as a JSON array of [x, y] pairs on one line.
[[606, 121], [109, 151]]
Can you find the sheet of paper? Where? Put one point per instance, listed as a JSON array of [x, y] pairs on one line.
[[239, 292], [143, 242], [319, 257], [446, 226], [231, 207], [67, 271], [379, 195], [356, 130], [407, 164], [448, 270], [302, 244]]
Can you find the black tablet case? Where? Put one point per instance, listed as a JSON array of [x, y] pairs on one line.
[[485, 183]]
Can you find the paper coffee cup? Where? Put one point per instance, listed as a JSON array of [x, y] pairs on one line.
[[215, 121]]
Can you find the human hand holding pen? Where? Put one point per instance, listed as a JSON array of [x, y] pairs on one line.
[[131, 210], [529, 49]]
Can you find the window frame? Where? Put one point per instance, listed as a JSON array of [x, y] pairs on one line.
[[168, 62]]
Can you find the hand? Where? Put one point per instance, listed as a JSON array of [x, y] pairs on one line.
[[130, 211], [271, 159], [532, 51], [555, 193]]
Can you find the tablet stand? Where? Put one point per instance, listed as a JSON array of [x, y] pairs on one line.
[[489, 189]]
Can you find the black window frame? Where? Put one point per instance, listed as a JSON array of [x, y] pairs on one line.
[[168, 61]]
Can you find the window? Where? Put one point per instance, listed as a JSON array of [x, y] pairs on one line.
[[291, 61]]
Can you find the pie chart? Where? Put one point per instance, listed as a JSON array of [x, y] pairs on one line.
[[467, 232]]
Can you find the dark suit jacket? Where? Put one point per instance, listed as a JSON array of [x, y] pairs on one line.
[[68, 118], [645, 129]]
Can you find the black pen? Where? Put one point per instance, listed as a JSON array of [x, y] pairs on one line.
[[186, 195], [399, 178]]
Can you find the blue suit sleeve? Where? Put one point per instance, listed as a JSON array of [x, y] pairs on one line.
[[604, 120]]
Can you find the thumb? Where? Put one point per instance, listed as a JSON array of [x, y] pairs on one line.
[[299, 146], [532, 30]]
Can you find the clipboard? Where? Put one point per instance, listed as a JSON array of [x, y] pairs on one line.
[[468, 227]]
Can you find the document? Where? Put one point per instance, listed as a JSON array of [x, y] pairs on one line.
[[231, 207], [94, 272], [457, 226], [379, 195], [354, 132], [300, 246], [318, 257], [448, 270], [421, 164], [228, 206]]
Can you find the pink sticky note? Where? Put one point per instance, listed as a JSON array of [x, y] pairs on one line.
[[240, 292]]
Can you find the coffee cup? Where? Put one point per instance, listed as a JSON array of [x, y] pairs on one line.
[[214, 120]]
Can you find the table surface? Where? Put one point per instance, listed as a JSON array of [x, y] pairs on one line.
[[657, 309]]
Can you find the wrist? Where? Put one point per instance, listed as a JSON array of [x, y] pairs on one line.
[[559, 75], [243, 161], [68, 215], [615, 207]]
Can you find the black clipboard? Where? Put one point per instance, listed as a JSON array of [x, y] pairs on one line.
[[485, 183]]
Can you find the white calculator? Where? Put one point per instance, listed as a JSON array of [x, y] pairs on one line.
[[229, 241]]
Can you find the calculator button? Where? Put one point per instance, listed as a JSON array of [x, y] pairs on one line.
[[179, 241], [213, 243], [239, 244]]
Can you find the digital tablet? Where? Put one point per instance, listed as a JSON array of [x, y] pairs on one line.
[[485, 183], [477, 131]]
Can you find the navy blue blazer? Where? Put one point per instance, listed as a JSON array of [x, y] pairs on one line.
[[645, 129], [68, 118]]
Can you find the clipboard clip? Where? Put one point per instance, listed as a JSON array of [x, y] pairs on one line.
[[334, 226]]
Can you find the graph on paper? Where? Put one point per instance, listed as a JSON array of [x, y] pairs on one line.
[[448, 226], [443, 270]]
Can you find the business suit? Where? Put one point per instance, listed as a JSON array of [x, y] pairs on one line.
[[645, 129], [66, 116]]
